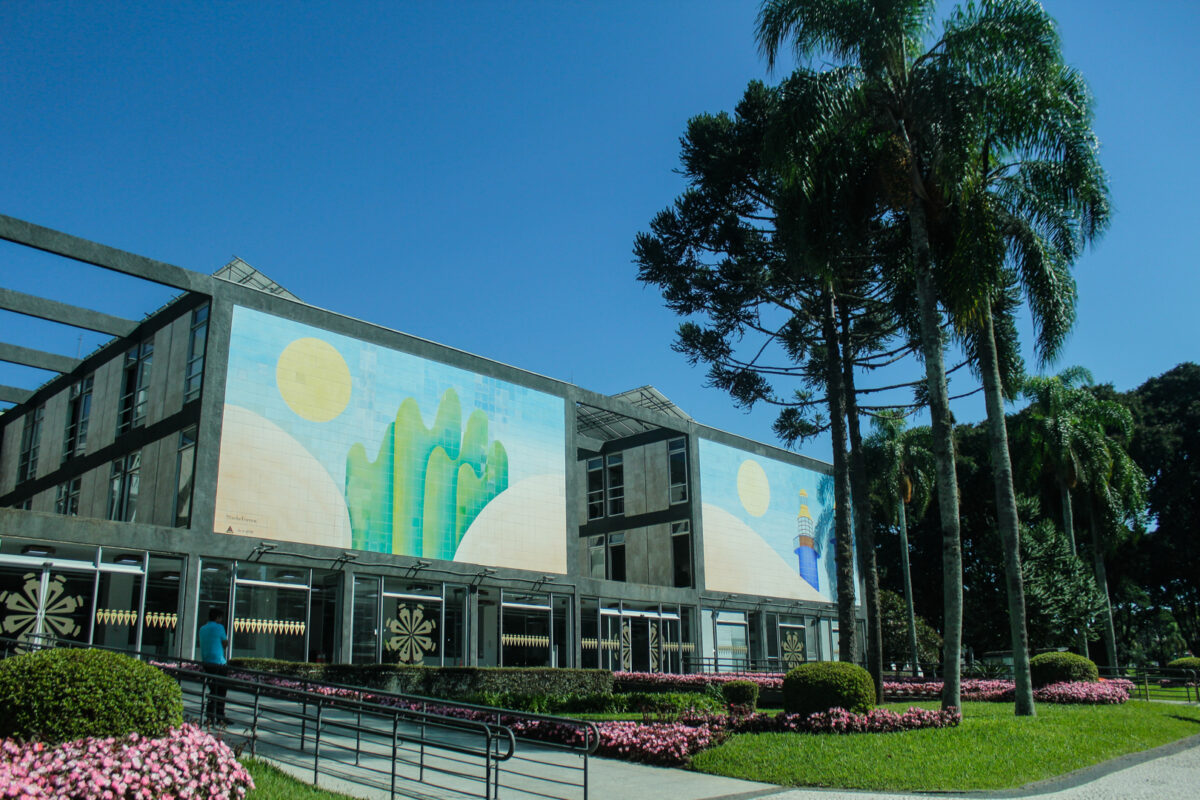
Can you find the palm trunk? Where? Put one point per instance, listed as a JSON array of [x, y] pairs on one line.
[[1006, 516], [943, 451], [908, 598], [864, 524], [1109, 631], [1068, 515], [1069, 526], [843, 547]]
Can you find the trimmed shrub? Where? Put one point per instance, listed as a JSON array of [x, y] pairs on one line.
[[658, 703], [1189, 662], [448, 682], [57, 696], [743, 694], [821, 685], [1049, 668]]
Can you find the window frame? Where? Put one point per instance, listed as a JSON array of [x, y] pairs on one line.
[[677, 491], [31, 444], [193, 371]]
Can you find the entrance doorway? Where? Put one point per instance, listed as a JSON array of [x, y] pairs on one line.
[[46, 602]]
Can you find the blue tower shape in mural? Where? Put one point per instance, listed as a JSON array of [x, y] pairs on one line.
[[806, 544]]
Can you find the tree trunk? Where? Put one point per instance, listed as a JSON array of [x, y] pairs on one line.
[[864, 524], [1069, 526], [943, 452], [1109, 630], [908, 598], [1068, 515], [843, 547], [1006, 516]]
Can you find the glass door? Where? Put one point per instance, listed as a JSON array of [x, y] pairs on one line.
[[270, 617], [46, 602]]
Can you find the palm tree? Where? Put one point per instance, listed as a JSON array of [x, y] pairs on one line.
[[1035, 196], [1054, 438], [1066, 436], [907, 476], [1115, 488], [920, 98]]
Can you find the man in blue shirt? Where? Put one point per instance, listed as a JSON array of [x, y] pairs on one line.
[[212, 654]]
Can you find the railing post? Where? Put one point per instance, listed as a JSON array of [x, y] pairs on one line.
[[487, 765], [358, 733], [395, 733], [587, 746], [496, 782], [421, 766], [316, 744], [304, 723], [254, 722], [204, 699]]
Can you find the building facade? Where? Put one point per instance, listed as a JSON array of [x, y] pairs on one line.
[[351, 493]]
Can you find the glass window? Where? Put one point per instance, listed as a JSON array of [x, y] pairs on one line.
[[677, 462], [31, 437], [595, 488], [454, 621], [596, 557], [681, 552], [79, 411], [271, 605], [160, 619], [560, 639], [66, 498], [135, 386], [194, 372], [124, 479], [526, 629], [589, 620], [412, 622], [364, 643], [616, 556], [615, 478], [118, 600], [185, 466]]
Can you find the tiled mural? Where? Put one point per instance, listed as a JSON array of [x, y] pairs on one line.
[[334, 441], [768, 525]]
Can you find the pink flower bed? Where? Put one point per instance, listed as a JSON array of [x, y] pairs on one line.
[[838, 720], [1107, 692], [1104, 692], [674, 743], [186, 763]]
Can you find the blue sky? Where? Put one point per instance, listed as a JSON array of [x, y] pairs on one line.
[[475, 173]]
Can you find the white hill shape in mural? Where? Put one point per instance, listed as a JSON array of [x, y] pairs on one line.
[[736, 559], [521, 528], [269, 485]]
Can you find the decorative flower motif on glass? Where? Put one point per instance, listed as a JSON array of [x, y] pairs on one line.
[[23, 606], [793, 650], [410, 639]]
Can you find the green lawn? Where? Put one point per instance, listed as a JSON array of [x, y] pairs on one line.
[[992, 749], [272, 783]]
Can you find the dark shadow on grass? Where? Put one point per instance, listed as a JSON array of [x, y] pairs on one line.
[[1192, 720]]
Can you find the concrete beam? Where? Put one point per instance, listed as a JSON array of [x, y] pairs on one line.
[[37, 358], [64, 244], [42, 308], [11, 394]]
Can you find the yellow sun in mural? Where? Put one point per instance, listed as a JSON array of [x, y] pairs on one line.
[[753, 488], [313, 379]]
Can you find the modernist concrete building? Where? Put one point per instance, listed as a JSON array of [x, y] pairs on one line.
[[352, 493]]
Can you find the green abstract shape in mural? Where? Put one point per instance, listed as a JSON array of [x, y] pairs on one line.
[[427, 485]]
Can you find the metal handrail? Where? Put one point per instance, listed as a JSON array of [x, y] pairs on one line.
[[420, 712]]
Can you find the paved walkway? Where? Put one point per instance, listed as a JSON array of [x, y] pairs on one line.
[[1170, 772]]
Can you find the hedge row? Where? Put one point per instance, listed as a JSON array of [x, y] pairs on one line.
[[448, 682]]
